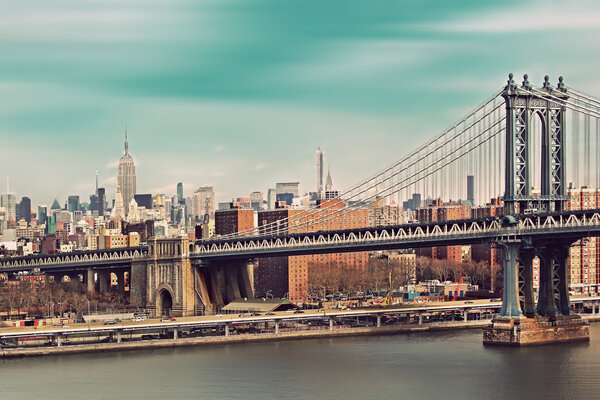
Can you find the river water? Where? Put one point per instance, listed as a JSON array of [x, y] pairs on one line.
[[443, 365]]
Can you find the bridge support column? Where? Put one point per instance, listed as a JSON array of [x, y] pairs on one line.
[[331, 324], [120, 281], [379, 321], [103, 280], [119, 337], [59, 340], [90, 282], [546, 302], [561, 276], [465, 316], [232, 285], [420, 318], [277, 327], [510, 300], [526, 298], [175, 334], [226, 329]]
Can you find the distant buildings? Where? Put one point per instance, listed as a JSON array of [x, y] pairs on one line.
[[203, 202], [287, 191]]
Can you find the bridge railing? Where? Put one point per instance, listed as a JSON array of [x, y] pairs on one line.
[[490, 230]]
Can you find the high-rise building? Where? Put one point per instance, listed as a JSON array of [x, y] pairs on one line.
[[271, 199], [118, 210], [584, 255], [9, 201], [126, 176], [143, 200], [73, 203], [471, 189], [25, 209], [55, 206], [288, 187], [320, 172], [42, 214], [256, 200], [203, 202], [180, 198], [101, 201]]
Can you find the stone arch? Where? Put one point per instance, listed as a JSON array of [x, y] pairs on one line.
[[165, 299]]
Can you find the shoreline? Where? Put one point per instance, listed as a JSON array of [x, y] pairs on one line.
[[246, 338]]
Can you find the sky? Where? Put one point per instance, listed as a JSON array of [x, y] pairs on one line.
[[238, 94]]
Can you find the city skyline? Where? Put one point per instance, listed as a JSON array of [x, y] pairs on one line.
[[381, 80]]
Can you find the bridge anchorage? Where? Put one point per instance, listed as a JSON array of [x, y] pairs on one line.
[[521, 321]]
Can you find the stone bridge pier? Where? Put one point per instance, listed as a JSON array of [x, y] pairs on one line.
[[168, 283], [521, 320]]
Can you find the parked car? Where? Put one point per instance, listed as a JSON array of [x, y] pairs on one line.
[[113, 322], [139, 319]]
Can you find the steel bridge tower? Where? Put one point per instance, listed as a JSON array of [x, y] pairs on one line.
[[521, 320], [522, 106]]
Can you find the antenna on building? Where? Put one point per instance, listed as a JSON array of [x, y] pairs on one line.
[[126, 144], [96, 182]]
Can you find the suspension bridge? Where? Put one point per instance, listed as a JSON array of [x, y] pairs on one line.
[[525, 145]]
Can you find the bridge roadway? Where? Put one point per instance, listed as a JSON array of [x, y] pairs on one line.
[[215, 321], [568, 225]]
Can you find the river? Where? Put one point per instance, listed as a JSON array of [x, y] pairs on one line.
[[439, 365]]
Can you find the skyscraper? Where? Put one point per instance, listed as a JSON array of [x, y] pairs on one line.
[[25, 209], [9, 201], [73, 203], [42, 214], [101, 200], [471, 189], [180, 198], [126, 178], [320, 172], [203, 202]]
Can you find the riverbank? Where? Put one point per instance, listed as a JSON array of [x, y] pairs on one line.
[[244, 338], [248, 338]]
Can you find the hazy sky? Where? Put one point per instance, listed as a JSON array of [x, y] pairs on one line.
[[239, 94]]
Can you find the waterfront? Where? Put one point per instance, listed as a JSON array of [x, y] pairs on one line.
[[417, 366]]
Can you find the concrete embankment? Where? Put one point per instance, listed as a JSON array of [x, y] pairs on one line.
[[216, 340], [246, 338]]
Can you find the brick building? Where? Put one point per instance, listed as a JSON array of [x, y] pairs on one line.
[[236, 219], [272, 272]]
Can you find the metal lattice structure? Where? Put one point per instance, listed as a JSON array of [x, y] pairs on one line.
[[522, 106]]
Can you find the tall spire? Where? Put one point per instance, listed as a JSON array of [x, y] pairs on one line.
[[96, 182], [126, 144], [329, 183]]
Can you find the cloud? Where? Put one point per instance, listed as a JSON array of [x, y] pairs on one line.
[[260, 166], [113, 164], [543, 16]]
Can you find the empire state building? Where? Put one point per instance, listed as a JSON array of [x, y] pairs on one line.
[[126, 177]]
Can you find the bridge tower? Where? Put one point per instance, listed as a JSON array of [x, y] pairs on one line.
[[522, 106], [520, 321]]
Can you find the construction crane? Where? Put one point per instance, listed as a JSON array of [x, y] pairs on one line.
[[389, 299], [460, 281]]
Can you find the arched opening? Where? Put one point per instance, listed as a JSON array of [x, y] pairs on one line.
[[165, 302], [536, 134]]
